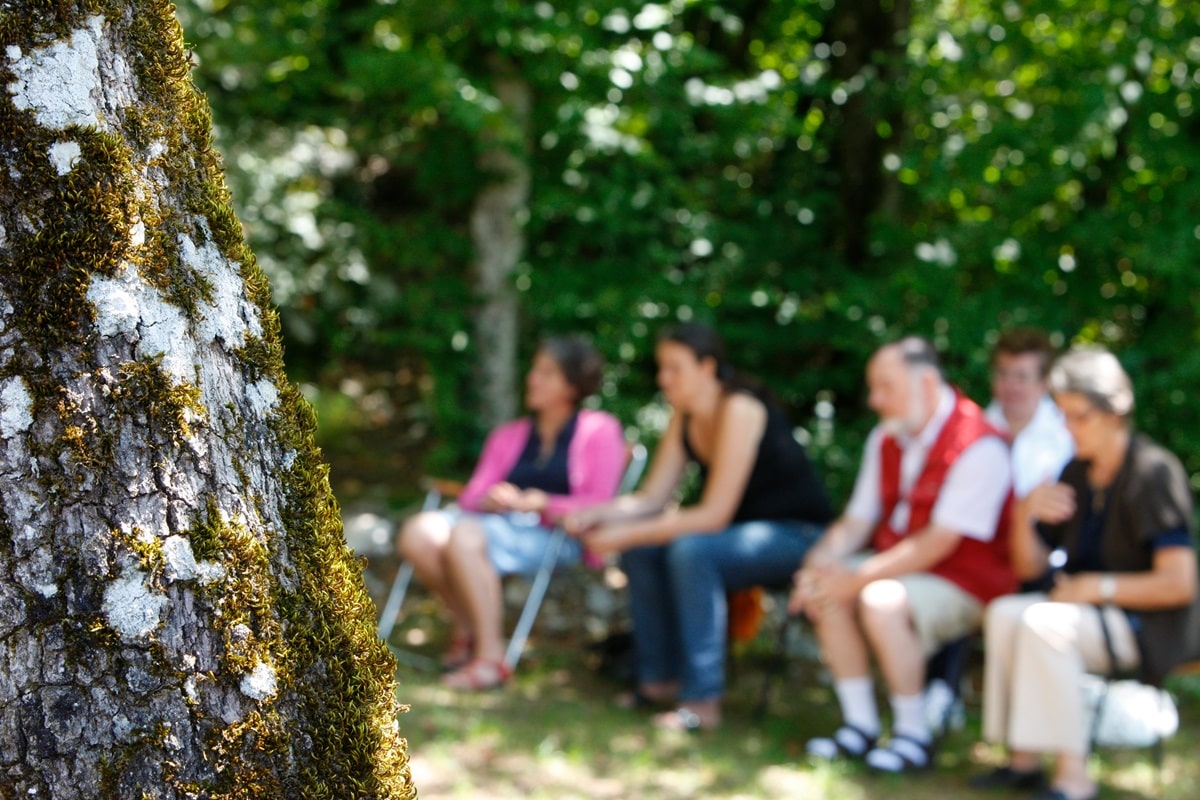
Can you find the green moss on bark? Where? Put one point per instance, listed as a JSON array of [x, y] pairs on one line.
[[171, 408], [293, 598]]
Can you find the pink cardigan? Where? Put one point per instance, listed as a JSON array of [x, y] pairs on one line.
[[595, 460]]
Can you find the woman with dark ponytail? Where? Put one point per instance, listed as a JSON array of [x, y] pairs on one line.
[[761, 507]]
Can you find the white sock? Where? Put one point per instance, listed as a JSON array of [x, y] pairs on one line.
[[909, 716], [857, 699]]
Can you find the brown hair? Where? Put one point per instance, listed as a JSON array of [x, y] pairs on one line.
[[1018, 341], [704, 342], [581, 364]]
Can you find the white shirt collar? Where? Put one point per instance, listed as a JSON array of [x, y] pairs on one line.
[[928, 435], [1046, 414]]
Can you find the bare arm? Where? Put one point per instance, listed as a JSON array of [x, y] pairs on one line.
[[657, 490], [846, 535], [1050, 502], [819, 584], [1169, 583], [740, 423], [917, 552]]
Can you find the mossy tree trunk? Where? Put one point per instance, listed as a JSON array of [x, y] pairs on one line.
[[497, 234], [179, 616]]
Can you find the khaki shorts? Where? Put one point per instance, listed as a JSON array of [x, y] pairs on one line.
[[940, 611]]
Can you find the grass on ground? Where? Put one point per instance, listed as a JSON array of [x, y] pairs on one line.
[[555, 733]]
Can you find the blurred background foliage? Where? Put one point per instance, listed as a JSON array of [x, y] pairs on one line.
[[812, 176]]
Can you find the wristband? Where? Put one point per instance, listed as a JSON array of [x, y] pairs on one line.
[[1108, 587]]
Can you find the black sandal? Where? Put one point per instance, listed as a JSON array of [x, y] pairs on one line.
[[901, 754], [846, 742], [635, 700], [1050, 793], [1008, 778]]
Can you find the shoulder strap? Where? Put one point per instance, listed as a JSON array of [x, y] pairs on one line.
[[1114, 667]]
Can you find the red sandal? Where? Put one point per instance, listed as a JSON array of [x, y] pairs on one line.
[[462, 647], [478, 675]]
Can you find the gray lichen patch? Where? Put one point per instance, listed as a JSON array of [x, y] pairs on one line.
[[260, 682], [16, 405], [64, 156], [179, 562], [226, 316], [127, 306], [59, 82], [131, 607]]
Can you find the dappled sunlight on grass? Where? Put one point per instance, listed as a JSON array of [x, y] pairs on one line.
[[555, 734], [791, 781]]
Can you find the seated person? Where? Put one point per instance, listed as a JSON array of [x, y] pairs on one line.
[[1122, 513], [931, 499], [761, 506], [532, 471], [1022, 409]]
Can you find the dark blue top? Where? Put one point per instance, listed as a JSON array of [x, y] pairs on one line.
[[1088, 555], [534, 470]]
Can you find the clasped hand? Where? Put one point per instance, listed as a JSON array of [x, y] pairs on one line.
[[507, 497], [818, 588], [600, 537]]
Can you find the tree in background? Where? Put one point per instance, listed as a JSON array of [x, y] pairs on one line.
[[181, 617], [815, 177]]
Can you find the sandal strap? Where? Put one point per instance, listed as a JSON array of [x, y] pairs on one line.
[[478, 674], [902, 754], [847, 741], [458, 653]]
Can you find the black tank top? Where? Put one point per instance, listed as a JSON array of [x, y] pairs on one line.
[[783, 484]]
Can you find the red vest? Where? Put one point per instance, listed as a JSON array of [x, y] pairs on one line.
[[981, 568]]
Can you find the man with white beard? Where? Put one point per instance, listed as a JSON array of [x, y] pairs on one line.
[[919, 551]]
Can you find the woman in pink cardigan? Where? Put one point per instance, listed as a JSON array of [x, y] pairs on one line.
[[532, 471]]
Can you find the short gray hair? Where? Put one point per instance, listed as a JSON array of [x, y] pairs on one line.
[[917, 353], [1095, 373]]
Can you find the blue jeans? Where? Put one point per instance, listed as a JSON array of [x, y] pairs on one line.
[[677, 596]]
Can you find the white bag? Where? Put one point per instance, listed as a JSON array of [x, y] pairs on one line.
[[1132, 714]]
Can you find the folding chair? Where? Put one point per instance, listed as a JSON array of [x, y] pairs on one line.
[[541, 579]]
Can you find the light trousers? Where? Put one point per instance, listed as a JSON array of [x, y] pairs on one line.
[[1035, 656]]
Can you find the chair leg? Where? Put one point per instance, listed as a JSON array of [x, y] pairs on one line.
[[948, 666], [533, 603], [395, 599], [774, 669]]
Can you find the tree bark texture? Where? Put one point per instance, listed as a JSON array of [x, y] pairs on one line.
[[179, 615], [871, 33], [497, 222]]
